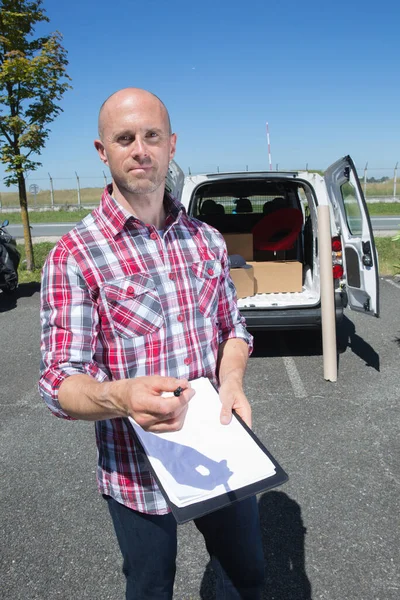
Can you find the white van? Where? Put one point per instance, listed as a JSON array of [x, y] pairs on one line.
[[269, 220]]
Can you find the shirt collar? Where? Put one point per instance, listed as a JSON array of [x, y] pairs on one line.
[[115, 216]]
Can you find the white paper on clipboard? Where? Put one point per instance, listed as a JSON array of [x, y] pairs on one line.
[[204, 459]]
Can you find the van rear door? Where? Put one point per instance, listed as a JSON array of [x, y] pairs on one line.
[[174, 180], [360, 259]]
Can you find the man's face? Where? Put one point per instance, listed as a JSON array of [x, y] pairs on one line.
[[136, 142]]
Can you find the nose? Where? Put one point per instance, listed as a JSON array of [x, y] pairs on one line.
[[138, 147]]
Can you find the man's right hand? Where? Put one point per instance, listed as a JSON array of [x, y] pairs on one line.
[[141, 398], [81, 397]]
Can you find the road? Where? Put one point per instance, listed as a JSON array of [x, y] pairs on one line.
[[330, 533], [379, 224]]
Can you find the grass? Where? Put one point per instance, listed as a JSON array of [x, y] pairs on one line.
[[380, 188], [40, 252], [388, 251], [62, 198], [48, 216], [389, 256], [68, 198], [384, 208]]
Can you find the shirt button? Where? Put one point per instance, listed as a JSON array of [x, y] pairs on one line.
[[180, 318], [172, 276], [153, 235], [210, 271], [130, 290], [187, 361]]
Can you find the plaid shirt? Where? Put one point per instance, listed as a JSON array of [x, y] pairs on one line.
[[118, 300]]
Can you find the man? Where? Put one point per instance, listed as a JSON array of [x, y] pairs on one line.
[[137, 301]]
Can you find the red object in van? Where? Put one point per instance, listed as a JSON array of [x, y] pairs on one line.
[[278, 230]]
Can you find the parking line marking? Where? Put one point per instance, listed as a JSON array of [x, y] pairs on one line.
[[293, 374], [392, 283]]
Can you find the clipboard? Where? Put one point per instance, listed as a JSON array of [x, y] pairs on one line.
[[204, 507]]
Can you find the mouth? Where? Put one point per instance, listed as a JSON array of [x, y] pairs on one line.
[[142, 168]]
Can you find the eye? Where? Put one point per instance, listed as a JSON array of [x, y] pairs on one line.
[[155, 136], [125, 138]]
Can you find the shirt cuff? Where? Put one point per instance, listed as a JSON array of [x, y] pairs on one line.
[[238, 331], [52, 378]]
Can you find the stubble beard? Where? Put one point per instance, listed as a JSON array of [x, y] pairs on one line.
[[139, 186]]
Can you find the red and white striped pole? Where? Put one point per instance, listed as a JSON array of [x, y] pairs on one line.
[[269, 149]]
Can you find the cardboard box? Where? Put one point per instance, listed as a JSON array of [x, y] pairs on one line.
[[277, 276], [243, 279], [240, 243]]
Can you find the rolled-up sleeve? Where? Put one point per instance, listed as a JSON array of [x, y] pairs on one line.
[[70, 322], [231, 323]]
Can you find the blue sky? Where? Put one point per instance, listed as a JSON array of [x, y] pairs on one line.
[[324, 75]]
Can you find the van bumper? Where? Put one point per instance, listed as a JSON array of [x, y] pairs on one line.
[[291, 318]]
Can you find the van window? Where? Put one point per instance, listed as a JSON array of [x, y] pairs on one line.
[[352, 209], [253, 198]]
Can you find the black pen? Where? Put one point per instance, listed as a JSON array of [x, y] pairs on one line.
[[178, 391]]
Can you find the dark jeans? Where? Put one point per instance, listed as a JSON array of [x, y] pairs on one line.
[[149, 543]]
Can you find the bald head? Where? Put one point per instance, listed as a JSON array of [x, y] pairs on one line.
[[130, 96], [136, 143]]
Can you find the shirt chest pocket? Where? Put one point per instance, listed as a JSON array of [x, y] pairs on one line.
[[133, 306], [207, 275]]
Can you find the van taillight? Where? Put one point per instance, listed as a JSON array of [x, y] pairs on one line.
[[337, 262], [337, 271]]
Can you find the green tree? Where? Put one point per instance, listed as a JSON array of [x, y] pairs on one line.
[[33, 80]]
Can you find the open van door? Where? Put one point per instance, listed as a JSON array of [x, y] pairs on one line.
[[360, 259], [174, 180]]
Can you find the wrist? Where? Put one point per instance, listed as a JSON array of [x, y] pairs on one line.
[[110, 397], [233, 377]]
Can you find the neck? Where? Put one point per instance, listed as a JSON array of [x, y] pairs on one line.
[[148, 208]]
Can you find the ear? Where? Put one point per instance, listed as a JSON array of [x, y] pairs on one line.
[[172, 146], [98, 144]]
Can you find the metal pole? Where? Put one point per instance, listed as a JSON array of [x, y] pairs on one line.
[[277, 167], [105, 179], [365, 179], [190, 172], [78, 189], [269, 149], [51, 191], [395, 181], [307, 167]]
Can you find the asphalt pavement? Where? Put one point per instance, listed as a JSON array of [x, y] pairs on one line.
[[330, 533]]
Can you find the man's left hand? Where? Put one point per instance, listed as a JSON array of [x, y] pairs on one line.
[[233, 398]]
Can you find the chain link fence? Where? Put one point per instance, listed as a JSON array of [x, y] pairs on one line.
[[62, 193], [71, 193]]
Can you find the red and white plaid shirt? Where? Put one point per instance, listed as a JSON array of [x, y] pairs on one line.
[[118, 300]]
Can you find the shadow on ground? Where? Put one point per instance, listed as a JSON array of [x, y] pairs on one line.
[[287, 343], [25, 290], [309, 343], [283, 535], [347, 338]]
